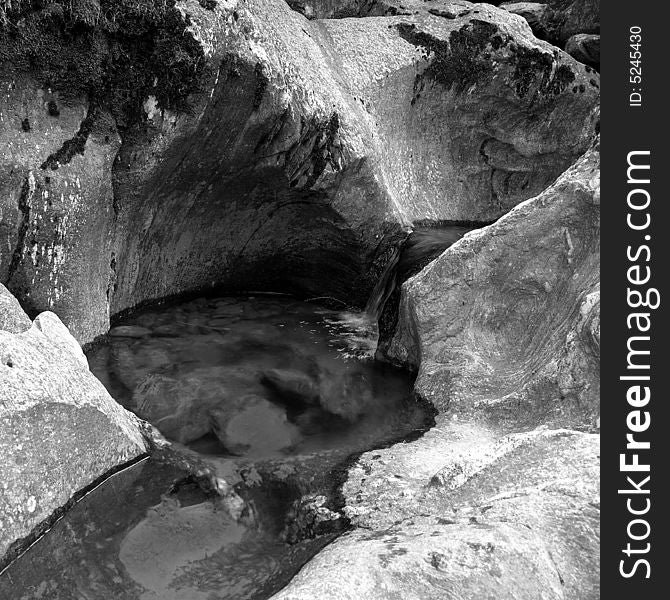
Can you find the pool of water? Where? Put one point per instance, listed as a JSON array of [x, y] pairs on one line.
[[255, 377], [136, 537], [275, 395]]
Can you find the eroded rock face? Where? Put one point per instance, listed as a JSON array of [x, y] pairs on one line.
[[59, 428], [56, 224], [341, 126]]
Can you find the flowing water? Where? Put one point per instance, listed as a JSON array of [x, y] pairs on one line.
[[423, 245], [275, 395]]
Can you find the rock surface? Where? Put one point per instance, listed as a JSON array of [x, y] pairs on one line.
[[498, 499], [12, 317], [342, 126], [535, 14], [339, 9], [585, 47], [59, 428], [566, 18], [558, 20], [531, 533]]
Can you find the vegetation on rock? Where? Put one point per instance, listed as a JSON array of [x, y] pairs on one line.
[[116, 52]]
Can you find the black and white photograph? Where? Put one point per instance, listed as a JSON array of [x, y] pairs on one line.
[[300, 300]]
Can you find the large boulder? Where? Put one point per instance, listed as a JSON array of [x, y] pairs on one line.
[[59, 428], [191, 164], [506, 322], [524, 525]]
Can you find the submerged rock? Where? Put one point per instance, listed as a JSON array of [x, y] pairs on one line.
[[256, 427], [59, 428], [182, 406], [129, 331], [295, 388], [348, 395]]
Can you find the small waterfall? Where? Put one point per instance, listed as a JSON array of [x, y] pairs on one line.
[[422, 246], [384, 288], [425, 244]]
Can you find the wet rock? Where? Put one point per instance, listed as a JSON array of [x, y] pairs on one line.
[[59, 428], [165, 403], [154, 356], [309, 517], [167, 331], [183, 407], [585, 47], [254, 427], [154, 561], [220, 324], [123, 365], [347, 395], [295, 388], [228, 308]]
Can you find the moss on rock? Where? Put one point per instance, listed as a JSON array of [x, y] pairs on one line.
[[117, 52]]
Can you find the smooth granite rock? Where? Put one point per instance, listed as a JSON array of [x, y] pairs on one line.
[[59, 428], [523, 524]]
